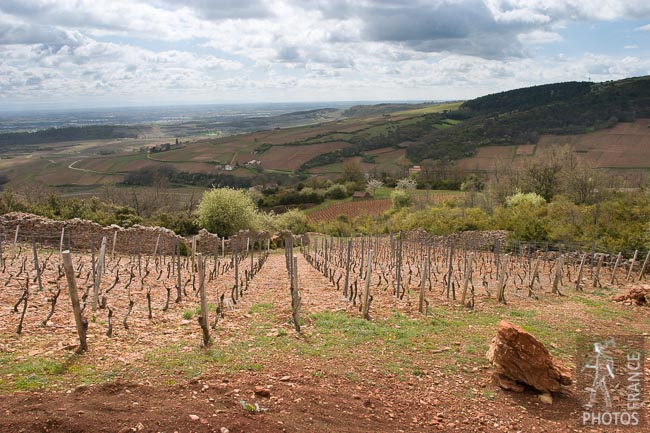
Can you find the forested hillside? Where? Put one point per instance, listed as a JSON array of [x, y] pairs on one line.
[[520, 116], [11, 140]]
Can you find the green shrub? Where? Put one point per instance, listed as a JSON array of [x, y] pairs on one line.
[[336, 192], [225, 211]]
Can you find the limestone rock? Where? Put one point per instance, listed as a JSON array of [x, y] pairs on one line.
[[262, 392], [507, 383], [546, 398], [640, 295], [519, 356]]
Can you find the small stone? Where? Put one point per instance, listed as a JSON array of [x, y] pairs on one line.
[[546, 398], [139, 426], [262, 392], [224, 430], [194, 417], [285, 378]]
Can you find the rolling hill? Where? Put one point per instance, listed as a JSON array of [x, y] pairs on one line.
[[521, 116], [605, 122]]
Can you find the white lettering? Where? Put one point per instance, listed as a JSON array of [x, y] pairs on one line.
[[610, 418]]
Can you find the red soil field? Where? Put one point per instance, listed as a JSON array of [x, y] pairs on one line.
[[486, 157], [623, 146], [352, 209], [525, 149], [292, 157]]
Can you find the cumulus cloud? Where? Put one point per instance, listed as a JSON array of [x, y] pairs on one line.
[[538, 37], [15, 33], [224, 9], [204, 50]]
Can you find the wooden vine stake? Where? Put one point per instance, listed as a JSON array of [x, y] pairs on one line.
[[468, 272], [347, 270], [643, 268], [618, 260], [179, 291], [579, 280], [236, 259], [98, 276], [558, 275], [423, 280], [629, 273], [597, 274], [82, 324], [114, 242], [295, 294], [61, 241], [501, 290], [451, 269], [193, 253], [37, 268], [203, 318], [365, 308], [155, 250], [534, 275]]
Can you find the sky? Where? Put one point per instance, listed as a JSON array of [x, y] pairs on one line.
[[95, 53]]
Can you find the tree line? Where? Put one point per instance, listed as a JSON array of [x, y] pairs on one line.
[[12, 140]]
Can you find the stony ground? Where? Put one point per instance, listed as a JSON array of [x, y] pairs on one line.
[[399, 372]]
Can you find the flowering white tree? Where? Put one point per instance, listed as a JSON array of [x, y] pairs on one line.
[[373, 185], [407, 183]]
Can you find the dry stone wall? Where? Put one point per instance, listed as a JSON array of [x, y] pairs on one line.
[[478, 239], [79, 234]]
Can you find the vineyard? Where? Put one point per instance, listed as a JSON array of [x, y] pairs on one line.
[[352, 209], [252, 339], [463, 269], [374, 207]]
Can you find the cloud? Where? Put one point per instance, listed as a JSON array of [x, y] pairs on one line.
[[539, 37], [572, 10], [224, 9], [113, 17], [15, 33], [645, 28], [205, 50], [467, 27]]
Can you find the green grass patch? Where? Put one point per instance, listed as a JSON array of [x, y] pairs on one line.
[[526, 314], [29, 373], [178, 359], [260, 308], [436, 108]]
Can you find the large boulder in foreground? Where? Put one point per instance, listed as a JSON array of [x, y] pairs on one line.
[[519, 356]]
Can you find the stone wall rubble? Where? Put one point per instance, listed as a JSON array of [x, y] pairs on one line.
[[81, 234]]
